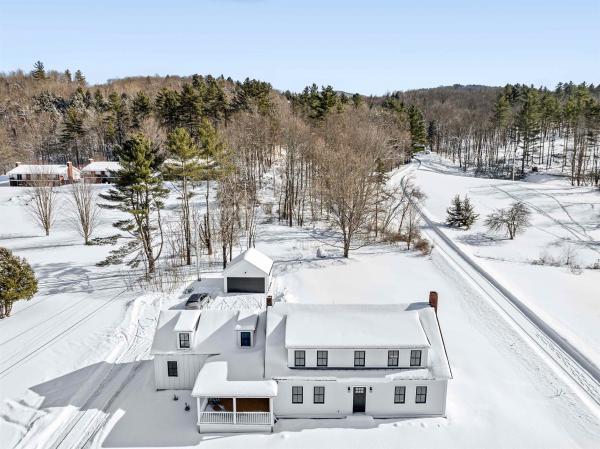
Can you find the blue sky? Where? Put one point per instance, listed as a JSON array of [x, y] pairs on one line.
[[371, 46]]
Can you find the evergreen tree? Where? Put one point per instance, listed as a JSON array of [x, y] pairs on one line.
[[183, 167], [461, 214], [356, 100], [68, 76], [38, 72], [167, 109], [73, 130], [528, 124], [139, 193], [79, 78], [454, 212], [140, 109], [418, 134], [17, 281], [468, 213]]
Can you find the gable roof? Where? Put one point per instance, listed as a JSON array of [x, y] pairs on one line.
[[41, 169], [111, 166], [254, 257], [276, 352], [354, 326]]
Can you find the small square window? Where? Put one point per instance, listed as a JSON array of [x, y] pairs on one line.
[[172, 368], [399, 395], [245, 339], [359, 358], [421, 397], [184, 340], [393, 358], [415, 357], [297, 394], [321, 358], [299, 358], [319, 395]]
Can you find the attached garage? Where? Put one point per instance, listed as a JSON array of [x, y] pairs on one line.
[[250, 285], [250, 272]]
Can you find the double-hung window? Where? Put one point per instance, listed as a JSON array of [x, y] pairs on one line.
[[171, 368], [421, 397], [299, 358], [399, 395], [415, 357], [319, 395], [393, 358], [297, 395], [184, 340], [321, 358], [359, 358]]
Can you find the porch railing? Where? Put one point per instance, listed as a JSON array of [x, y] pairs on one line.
[[242, 418]]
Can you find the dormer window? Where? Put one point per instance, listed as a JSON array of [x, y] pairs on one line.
[[245, 339], [184, 340]]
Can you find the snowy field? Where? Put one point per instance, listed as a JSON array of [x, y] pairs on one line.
[[565, 223], [82, 362]]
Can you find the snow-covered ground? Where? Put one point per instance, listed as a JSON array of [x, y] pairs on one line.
[[565, 221], [504, 394]]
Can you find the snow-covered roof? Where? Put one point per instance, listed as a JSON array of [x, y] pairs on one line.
[[41, 169], [96, 166], [246, 321], [186, 322], [254, 257], [213, 381], [276, 353], [354, 326], [213, 331]]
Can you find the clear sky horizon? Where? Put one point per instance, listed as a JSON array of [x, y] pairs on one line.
[[371, 47]]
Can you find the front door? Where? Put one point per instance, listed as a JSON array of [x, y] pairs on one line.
[[360, 397]]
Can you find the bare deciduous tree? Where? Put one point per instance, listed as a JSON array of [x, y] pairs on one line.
[[42, 200], [513, 219], [85, 212]]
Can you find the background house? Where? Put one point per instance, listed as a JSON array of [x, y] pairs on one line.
[[100, 172], [29, 174]]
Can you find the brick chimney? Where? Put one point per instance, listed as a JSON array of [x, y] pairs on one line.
[[433, 300], [70, 171], [17, 164], [269, 300], [90, 160]]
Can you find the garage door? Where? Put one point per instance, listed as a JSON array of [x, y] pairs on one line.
[[246, 285]]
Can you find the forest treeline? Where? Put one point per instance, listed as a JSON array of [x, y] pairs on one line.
[[330, 151]]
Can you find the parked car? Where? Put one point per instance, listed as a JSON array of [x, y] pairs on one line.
[[195, 300]]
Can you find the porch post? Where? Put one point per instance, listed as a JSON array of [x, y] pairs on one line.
[[200, 412], [234, 410], [271, 411]]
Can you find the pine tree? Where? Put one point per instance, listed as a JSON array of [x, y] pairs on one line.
[[469, 216], [17, 281], [418, 133], [454, 212], [183, 167], [140, 109], [79, 78], [38, 72], [138, 192], [68, 76]]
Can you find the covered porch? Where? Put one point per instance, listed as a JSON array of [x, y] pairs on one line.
[[232, 406]]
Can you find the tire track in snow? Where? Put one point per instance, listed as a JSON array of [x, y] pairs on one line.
[[565, 355]]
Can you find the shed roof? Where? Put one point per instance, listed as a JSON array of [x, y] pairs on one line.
[[213, 381], [254, 257]]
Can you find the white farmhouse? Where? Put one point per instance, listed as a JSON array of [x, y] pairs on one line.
[[100, 172], [249, 272], [248, 368]]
